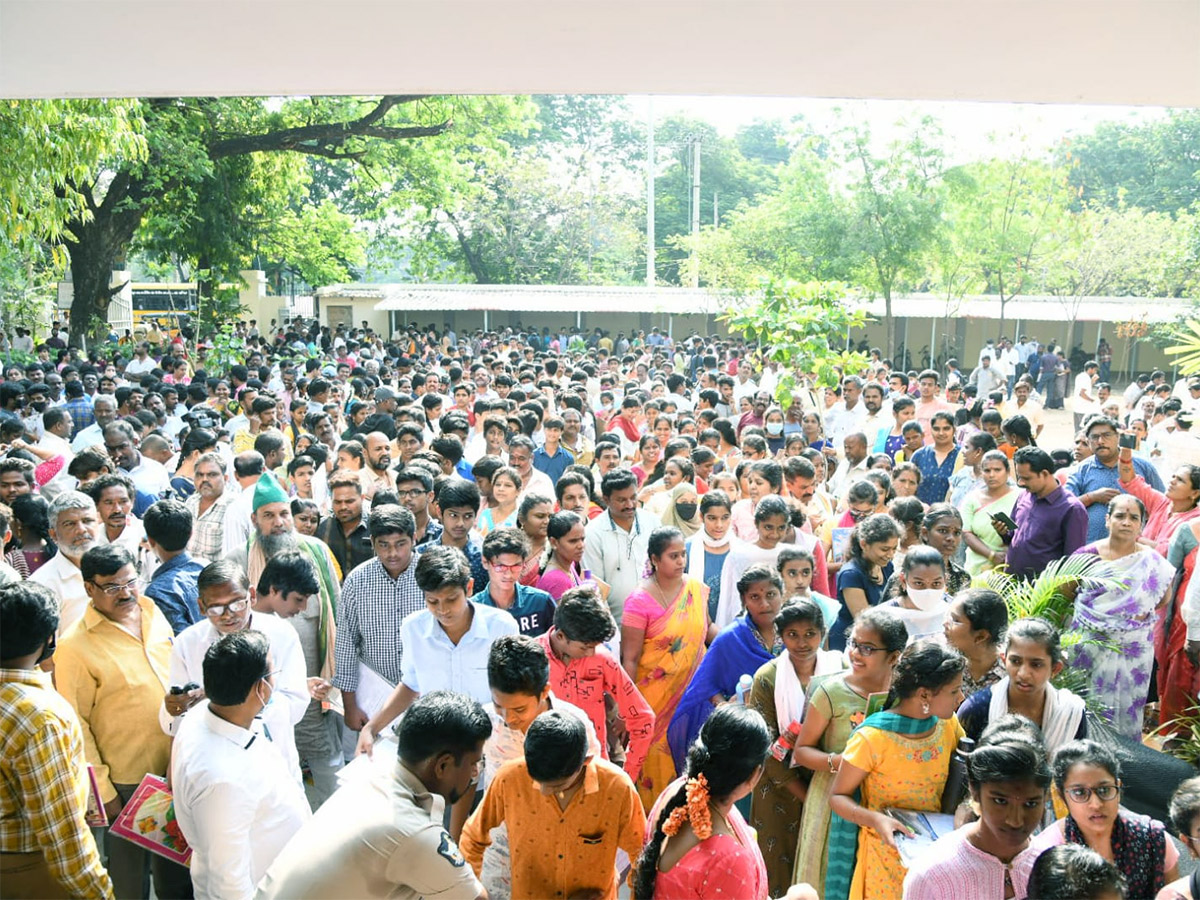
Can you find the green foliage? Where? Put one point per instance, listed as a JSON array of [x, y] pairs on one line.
[[800, 326], [1183, 735], [1153, 166], [1187, 350]]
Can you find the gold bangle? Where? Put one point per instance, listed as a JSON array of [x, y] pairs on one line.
[[832, 770]]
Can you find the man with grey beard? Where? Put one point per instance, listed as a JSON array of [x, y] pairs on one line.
[[273, 532]]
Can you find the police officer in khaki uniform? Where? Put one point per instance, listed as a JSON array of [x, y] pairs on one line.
[[381, 835]]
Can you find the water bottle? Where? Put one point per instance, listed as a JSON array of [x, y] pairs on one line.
[[955, 789], [743, 688]]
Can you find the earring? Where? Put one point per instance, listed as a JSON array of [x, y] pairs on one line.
[[925, 708]]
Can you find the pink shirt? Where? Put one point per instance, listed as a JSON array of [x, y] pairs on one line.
[[954, 869]]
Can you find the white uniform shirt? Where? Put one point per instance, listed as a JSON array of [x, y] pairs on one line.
[[151, 477], [291, 683], [66, 581], [432, 663], [235, 804]]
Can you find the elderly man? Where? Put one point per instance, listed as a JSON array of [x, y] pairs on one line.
[[1096, 481], [208, 505], [224, 599], [149, 476], [48, 849], [112, 666], [275, 533], [248, 468], [75, 528]]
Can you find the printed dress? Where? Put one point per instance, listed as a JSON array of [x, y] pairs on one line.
[[904, 772]]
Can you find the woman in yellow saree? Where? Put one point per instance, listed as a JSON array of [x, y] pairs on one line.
[[664, 630]]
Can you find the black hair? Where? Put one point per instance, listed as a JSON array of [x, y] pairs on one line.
[[863, 491], [528, 502], [169, 524], [1040, 631], [799, 609], [873, 529], [391, 519], [924, 664], [106, 560], [440, 723], [771, 505], [939, 511], [714, 498], [562, 522], [288, 572], [732, 745], [1007, 752], [505, 540], [985, 610], [907, 510], [1084, 752], [28, 618], [415, 473], [922, 555], [889, 626], [556, 746], [1184, 806], [755, 574], [233, 665], [581, 615], [1036, 458], [458, 493], [660, 539], [1073, 872], [518, 664], [33, 512], [96, 488], [221, 573], [440, 566], [617, 479], [770, 471]]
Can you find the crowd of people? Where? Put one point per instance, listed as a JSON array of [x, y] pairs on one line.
[[520, 614]]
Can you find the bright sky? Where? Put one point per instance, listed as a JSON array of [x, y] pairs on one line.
[[966, 125]]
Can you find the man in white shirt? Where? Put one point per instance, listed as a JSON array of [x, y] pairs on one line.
[[1084, 396], [225, 601], [248, 467], [745, 386], [846, 416], [150, 476], [75, 528], [56, 431], [987, 377], [235, 804], [105, 409], [141, 364], [878, 418], [617, 541]]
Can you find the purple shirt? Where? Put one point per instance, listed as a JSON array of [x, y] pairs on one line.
[[1048, 528]]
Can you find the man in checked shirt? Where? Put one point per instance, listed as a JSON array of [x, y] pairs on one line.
[[46, 847], [376, 597]]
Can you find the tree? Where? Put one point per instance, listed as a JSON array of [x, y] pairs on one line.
[[894, 207], [200, 151], [800, 325], [1010, 210], [1152, 165]]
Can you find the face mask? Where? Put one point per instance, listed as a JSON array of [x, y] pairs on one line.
[[687, 511], [774, 428], [269, 701], [926, 600]]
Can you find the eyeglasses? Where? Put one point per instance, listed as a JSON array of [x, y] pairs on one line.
[[501, 567], [115, 590], [1083, 794], [215, 612], [411, 494], [864, 649], [859, 514]]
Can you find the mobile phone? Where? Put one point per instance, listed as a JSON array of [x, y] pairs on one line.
[[1127, 441], [1005, 519]]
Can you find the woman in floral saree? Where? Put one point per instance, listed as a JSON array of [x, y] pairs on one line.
[[664, 630]]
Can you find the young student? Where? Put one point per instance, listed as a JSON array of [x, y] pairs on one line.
[[458, 504], [446, 645], [796, 567], [1185, 816], [708, 548], [772, 518], [504, 553], [173, 589], [922, 603], [582, 672], [519, 679], [567, 814], [414, 487]]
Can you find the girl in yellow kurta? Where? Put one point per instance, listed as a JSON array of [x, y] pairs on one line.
[[900, 759]]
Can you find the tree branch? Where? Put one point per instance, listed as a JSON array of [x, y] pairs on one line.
[[329, 139]]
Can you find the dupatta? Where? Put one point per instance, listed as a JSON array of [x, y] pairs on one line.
[[843, 835]]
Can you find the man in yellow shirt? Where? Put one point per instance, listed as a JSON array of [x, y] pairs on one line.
[[112, 666], [567, 814], [46, 847]]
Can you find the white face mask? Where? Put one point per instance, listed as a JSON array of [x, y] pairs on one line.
[[926, 600], [774, 428]]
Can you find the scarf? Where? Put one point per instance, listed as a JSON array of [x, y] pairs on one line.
[[328, 579], [1064, 711], [790, 701], [671, 517], [697, 546], [843, 835], [1138, 850]]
